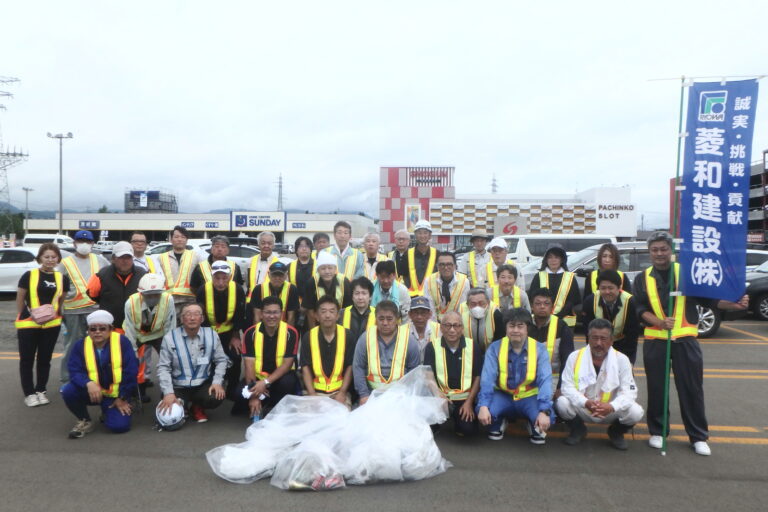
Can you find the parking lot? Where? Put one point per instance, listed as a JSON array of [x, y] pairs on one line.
[[148, 470]]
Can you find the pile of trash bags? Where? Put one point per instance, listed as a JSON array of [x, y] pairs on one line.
[[315, 443]]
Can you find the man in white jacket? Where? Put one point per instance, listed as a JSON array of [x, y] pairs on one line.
[[598, 386]]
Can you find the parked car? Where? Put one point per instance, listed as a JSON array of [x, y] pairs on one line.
[[757, 289], [755, 258], [14, 262]]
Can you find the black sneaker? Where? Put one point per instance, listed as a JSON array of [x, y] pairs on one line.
[[616, 436], [536, 437], [578, 431], [498, 435]]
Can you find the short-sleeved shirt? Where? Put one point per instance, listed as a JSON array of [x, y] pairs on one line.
[[46, 289], [270, 347], [293, 298], [327, 351]]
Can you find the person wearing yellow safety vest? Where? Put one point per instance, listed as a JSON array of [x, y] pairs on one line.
[[349, 260], [598, 387], [474, 264], [618, 307], [319, 242], [177, 266], [652, 289], [223, 304], [447, 288], [498, 249], [218, 252], [258, 268], [327, 281], [384, 353], [507, 293], [149, 315], [102, 369], [326, 355], [421, 260], [39, 297], [516, 381], [77, 304], [607, 259], [276, 286], [360, 315], [481, 318], [400, 253], [112, 285], [456, 362], [138, 241], [191, 367], [551, 332], [423, 329], [387, 287], [372, 256], [300, 273], [554, 275], [269, 354]]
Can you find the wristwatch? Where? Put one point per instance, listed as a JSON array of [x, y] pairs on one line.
[[266, 382], [548, 412]]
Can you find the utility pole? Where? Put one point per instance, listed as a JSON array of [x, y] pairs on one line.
[[61, 177], [26, 190], [8, 158], [280, 193], [494, 184]]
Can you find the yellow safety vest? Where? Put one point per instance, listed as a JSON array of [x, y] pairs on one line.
[[254, 270], [181, 285], [605, 397], [490, 324], [682, 328], [621, 317], [292, 269], [210, 308], [453, 304], [34, 301], [416, 287], [526, 388], [593, 279], [491, 274], [266, 291], [496, 296], [320, 291], [81, 298], [370, 272], [441, 369], [350, 264], [322, 382], [346, 319], [550, 342], [205, 270], [151, 265], [258, 349], [157, 328], [116, 356], [396, 372], [562, 293], [471, 266]]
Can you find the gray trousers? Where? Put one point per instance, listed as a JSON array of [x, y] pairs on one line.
[[76, 328]]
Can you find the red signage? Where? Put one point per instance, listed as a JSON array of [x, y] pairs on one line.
[[510, 229]]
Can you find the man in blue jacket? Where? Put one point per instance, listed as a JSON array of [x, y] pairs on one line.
[[102, 369]]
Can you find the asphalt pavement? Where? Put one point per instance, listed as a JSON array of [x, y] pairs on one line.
[[40, 468]]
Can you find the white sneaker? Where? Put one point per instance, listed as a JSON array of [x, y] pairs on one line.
[[31, 400], [42, 398], [655, 442], [701, 448]]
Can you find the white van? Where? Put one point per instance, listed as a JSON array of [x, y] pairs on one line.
[[35, 240], [523, 248]]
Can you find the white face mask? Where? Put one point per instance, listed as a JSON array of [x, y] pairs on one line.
[[83, 249], [478, 312]]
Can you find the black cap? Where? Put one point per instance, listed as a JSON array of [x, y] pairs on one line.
[[278, 267]]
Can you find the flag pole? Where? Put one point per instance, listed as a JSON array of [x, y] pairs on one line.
[[670, 304]]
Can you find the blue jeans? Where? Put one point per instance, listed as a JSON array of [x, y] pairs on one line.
[[77, 401], [504, 406]]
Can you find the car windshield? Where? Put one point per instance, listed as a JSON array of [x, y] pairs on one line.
[[532, 266], [577, 259]]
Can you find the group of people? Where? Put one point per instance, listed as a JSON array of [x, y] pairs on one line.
[[341, 322]]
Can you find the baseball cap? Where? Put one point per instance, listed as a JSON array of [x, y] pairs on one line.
[[420, 303], [122, 249], [422, 224], [497, 243], [220, 266], [278, 267], [84, 235]]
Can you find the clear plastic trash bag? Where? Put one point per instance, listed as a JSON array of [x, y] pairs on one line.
[[315, 443]]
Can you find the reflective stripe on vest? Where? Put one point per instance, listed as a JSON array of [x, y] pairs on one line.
[[266, 291], [205, 270], [441, 369], [157, 328], [490, 273], [472, 271], [562, 294], [453, 304], [682, 328], [181, 285], [34, 301], [524, 390], [593, 279], [320, 291], [605, 397], [350, 264], [496, 296], [370, 270], [81, 298], [322, 382], [116, 356], [210, 307], [346, 319], [434, 331], [258, 349], [151, 265], [254, 271], [550, 341], [621, 316], [397, 369], [416, 287], [489, 324]]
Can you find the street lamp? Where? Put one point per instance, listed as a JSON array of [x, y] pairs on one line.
[[61, 178], [26, 190]]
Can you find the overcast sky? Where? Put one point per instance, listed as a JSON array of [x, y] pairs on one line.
[[213, 100]]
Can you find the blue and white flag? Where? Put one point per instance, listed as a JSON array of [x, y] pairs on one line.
[[714, 204]]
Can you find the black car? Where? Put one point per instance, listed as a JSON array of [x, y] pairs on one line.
[[757, 289]]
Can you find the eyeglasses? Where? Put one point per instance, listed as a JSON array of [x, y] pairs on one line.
[[138, 241], [98, 328], [451, 326]]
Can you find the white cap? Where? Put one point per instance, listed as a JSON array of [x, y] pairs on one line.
[[326, 258], [100, 317], [220, 266], [497, 242], [422, 224], [122, 249], [170, 417], [151, 283]]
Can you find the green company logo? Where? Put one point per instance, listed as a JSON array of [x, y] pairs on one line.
[[712, 106]]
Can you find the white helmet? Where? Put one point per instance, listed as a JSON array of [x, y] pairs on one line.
[[151, 283], [172, 419], [422, 224]]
